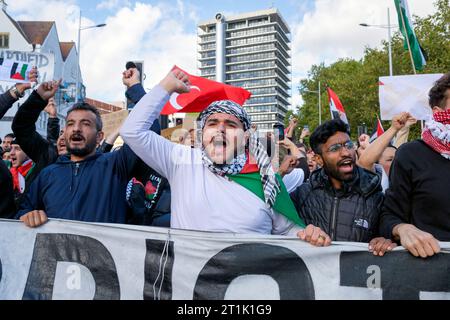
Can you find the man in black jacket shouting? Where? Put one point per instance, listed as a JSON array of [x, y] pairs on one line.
[[341, 198]]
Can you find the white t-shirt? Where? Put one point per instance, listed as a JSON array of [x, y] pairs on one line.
[[201, 200]]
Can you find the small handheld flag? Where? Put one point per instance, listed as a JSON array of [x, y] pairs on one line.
[[336, 107], [377, 132]]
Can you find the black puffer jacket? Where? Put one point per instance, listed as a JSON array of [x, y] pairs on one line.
[[350, 214]]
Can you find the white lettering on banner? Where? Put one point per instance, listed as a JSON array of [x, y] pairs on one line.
[[374, 281], [75, 260], [73, 281]]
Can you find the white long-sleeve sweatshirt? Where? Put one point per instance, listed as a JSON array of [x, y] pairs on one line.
[[201, 200]]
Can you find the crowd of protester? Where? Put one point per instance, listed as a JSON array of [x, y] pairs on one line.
[[224, 175]]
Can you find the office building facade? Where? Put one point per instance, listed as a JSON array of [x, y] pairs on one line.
[[251, 51]]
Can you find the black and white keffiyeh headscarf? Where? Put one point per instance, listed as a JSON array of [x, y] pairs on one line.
[[271, 186]]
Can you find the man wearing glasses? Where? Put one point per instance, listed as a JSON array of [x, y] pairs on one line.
[[342, 198]]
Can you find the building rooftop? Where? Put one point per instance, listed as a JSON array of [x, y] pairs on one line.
[[103, 107], [36, 31], [65, 48], [255, 14]]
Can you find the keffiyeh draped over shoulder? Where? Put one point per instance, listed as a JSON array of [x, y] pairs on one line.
[[437, 133]]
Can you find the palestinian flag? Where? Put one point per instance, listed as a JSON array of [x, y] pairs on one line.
[[19, 72], [336, 107], [378, 131], [250, 178], [407, 29]]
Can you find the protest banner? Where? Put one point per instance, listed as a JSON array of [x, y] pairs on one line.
[[75, 260], [15, 65], [406, 94]]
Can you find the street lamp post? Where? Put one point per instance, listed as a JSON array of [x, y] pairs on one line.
[[389, 27], [320, 102], [78, 89]]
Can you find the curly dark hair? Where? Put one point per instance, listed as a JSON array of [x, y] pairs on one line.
[[325, 131], [437, 93]]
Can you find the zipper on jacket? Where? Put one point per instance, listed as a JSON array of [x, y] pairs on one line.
[[333, 218], [75, 173], [77, 166]]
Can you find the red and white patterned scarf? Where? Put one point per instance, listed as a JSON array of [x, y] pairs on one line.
[[19, 175], [437, 133]]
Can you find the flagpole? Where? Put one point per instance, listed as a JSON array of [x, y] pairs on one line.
[[410, 52], [391, 69], [320, 107], [407, 39]]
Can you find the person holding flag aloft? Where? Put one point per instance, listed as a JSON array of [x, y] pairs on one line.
[[217, 187]]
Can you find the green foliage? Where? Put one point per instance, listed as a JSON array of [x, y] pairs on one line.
[[356, 82]]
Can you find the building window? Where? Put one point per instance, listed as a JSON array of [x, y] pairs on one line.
[[208, 63], [257, 48], [237, 25], [251, 40], [252, 74], [209, 54], [207, 38], [250, 66], [207, 46], [4, 40], [208, 71], [257, 22]]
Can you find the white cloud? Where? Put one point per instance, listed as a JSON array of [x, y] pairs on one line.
[[112, 4], [152, 33], [65, 14], [331, 31]]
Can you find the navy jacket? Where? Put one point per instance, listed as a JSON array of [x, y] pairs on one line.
[[92, 190]]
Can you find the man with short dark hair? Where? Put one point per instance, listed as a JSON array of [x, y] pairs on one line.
[[341, 198], [416, 211], [6, 143], [84, 185]]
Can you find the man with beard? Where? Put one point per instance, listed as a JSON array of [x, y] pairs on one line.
[[84, 185], [216, 187], [416, 211], [341, 198]]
